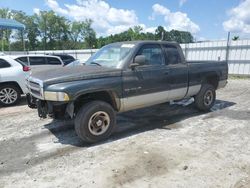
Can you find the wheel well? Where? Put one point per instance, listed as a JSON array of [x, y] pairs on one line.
[[12, 84], [105, 96], [213, 80]]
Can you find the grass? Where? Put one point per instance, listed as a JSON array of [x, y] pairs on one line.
[[238, 77]]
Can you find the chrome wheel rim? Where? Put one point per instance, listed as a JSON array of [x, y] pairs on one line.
[[8, 95], [208, 98], [99, 123]]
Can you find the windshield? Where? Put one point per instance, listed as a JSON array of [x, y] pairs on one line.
[[110, 55]]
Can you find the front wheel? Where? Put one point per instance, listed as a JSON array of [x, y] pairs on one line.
[[95, 121], [205, 99], [9, 95]]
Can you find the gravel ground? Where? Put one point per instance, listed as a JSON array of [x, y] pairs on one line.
[[161, 146]]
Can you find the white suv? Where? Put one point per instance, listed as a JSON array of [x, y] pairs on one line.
[[12, 80]]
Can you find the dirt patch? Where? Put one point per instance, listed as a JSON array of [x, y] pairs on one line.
[[146, 165]]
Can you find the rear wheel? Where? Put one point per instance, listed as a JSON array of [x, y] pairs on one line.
[[9, 95], [95, 121], [205, 99]]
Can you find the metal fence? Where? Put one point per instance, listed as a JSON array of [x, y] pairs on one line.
[[237, 53]]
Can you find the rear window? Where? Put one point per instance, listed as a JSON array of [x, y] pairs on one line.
[[172, 55], [22, 60], [4, 64], [53, 61], [66, 59]]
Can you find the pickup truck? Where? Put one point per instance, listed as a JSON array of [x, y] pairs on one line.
[[121, 77]]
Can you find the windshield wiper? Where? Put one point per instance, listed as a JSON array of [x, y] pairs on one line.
[[94, 63]]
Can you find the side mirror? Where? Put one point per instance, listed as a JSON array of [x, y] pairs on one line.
[[139, 60]]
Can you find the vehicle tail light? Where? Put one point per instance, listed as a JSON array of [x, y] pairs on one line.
[[26, 68]]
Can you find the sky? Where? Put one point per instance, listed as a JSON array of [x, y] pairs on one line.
[[205, 19]]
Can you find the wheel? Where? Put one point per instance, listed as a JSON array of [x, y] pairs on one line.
[[205, 99], [95, 121], [9, 95]]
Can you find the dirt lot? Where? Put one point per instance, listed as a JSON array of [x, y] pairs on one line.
[[161, 146]]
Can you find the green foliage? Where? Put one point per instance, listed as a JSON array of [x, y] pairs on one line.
[[235, 38], [49, 31], [137, 34]]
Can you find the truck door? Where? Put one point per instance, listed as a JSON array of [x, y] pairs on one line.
[[146, 84], [177, 72]]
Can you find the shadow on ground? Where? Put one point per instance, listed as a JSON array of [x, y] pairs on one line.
[[161, 116]]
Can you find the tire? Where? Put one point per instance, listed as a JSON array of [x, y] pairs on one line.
[[9, 95], [95, 121], [206, 97]]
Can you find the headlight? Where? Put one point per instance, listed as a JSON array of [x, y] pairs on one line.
[[55, 96]]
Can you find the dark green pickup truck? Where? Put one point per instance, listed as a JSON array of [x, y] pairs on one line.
[[121, 77]]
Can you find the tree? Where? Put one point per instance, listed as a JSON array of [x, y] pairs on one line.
[[89, 34], [41, 21], [47, 30], [61, 31], [82, 32], [5, 34], [235, 38], [30, 32], [160, 33], [53, 29], [76, 31]]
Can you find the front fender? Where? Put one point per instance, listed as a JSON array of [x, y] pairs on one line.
[[76, 89]]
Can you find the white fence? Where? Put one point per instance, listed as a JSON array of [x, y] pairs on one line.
[[236, 52]]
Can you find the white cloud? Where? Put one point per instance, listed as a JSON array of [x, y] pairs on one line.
[[149, 29], [106, 19], [36, 10], [182, 2], [239, 20], [161, 10], [175, 20], [55, 6]]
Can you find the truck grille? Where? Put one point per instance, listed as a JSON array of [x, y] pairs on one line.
[[35, 88], [34, 84]]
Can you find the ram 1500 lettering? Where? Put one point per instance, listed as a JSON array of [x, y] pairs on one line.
[[121, 77]]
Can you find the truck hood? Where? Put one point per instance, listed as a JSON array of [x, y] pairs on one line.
[[67, 74]]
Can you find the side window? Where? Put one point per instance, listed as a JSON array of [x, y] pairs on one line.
[[37, 60], [53, 61], [153, 54], [4, 64], [67, 59], [172, 55]]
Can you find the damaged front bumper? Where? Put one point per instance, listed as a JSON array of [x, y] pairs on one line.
[[54, 109]]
